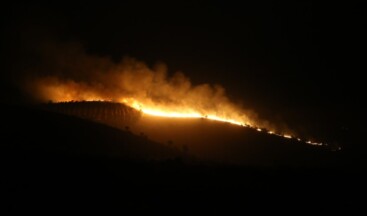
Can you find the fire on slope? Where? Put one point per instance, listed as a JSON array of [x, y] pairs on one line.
[[150, 90], [63, 95], [190, 113], [87, 78]]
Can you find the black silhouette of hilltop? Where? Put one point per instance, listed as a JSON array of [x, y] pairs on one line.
[[48, 155], [43, 132], [206, 139], [54, 163]]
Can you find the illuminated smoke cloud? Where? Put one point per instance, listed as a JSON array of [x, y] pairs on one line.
[[67, 73]]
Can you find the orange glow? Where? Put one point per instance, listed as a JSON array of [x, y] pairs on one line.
[[287, 136], [177, 112], [181, 112], [195, 104], [314, 143]]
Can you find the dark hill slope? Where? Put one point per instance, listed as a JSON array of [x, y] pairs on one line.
[[237, 145], [32, 131], [205, 139], [54, 163]]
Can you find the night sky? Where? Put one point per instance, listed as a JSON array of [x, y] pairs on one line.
[[289, 61]]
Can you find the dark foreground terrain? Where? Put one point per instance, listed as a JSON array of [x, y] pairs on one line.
[[55, 163]]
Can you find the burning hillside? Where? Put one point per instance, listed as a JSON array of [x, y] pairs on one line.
[[79, 77]]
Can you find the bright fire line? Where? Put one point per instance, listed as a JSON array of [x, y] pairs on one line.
[[192, 114], [172, 114]]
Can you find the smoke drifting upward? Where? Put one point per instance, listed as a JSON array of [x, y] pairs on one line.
[[67, 73]]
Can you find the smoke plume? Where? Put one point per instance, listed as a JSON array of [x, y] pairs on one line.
[[68, 73]]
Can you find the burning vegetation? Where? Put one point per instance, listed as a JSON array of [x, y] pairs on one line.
[[77, 76]]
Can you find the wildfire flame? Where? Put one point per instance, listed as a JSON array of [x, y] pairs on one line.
[[165, 112], [179, 113], [65, 92], [81, 77]]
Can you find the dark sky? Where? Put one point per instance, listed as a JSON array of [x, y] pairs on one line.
[[287, 60]]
